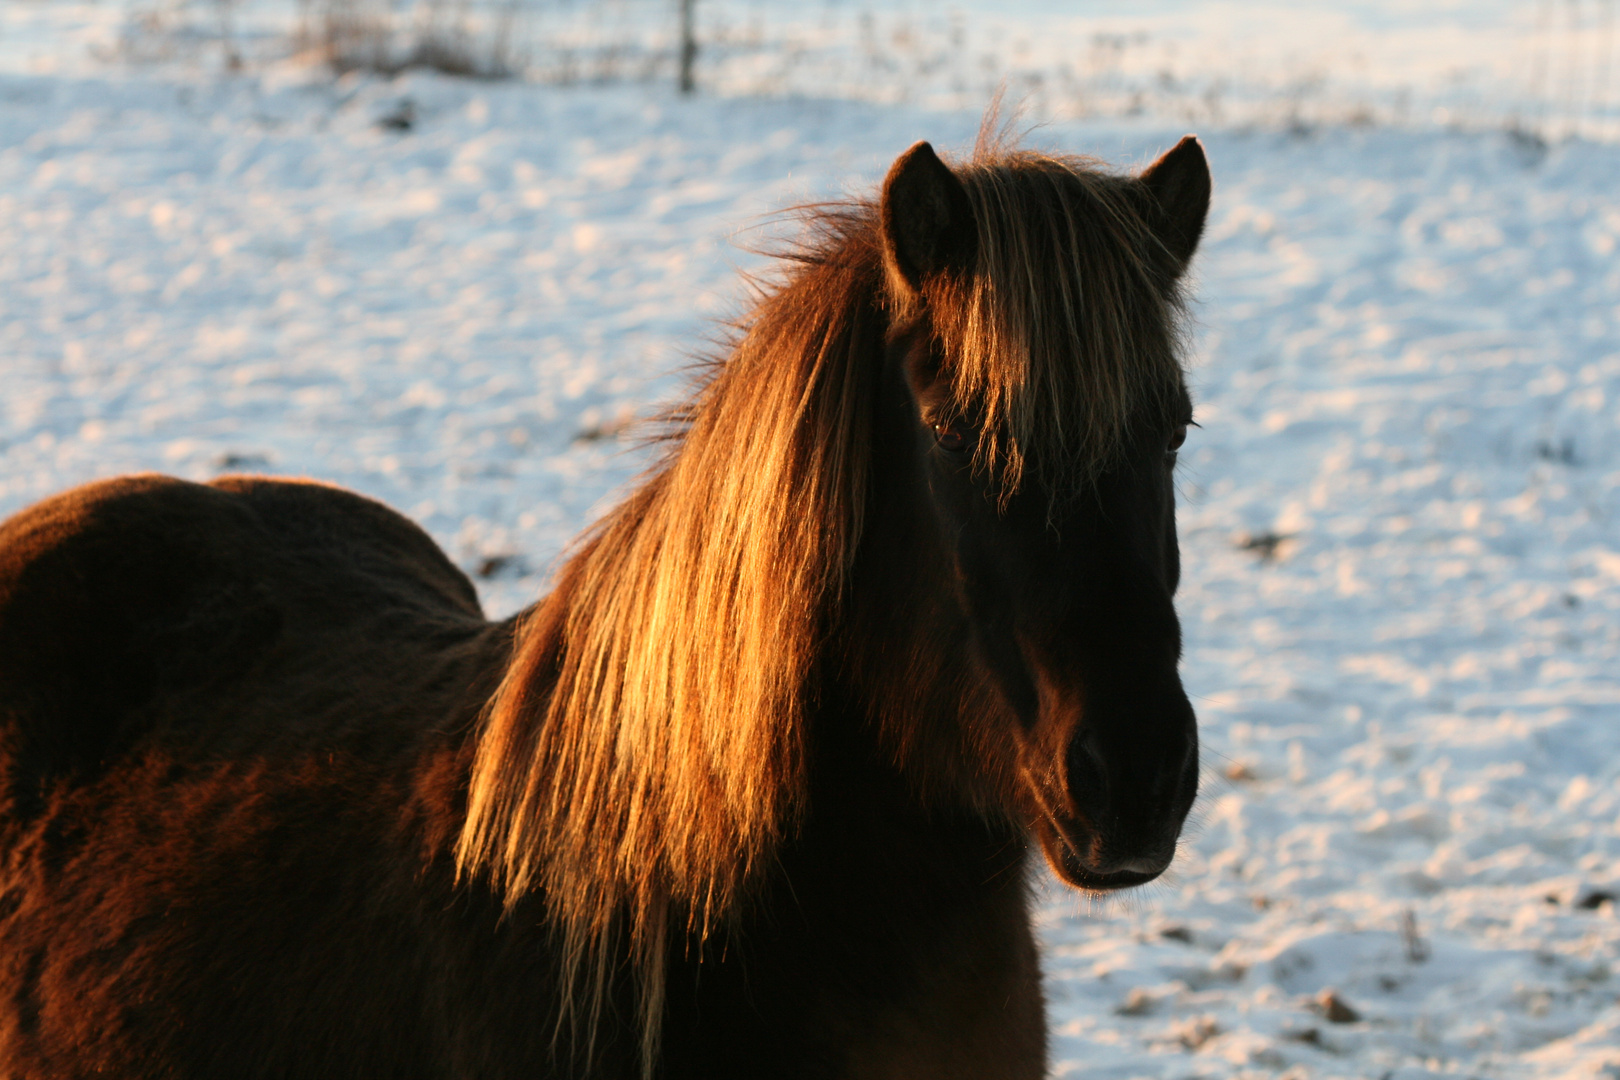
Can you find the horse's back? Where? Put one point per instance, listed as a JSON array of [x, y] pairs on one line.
[[233, 724], [151, 608]]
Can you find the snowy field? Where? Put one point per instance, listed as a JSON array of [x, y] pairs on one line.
[[1548, 68], [1401, 517]]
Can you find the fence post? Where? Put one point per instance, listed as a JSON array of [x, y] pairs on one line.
[[688, 46]]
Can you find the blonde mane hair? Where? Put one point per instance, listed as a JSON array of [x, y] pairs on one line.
[[646, 749]]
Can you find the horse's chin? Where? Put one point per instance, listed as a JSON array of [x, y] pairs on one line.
[[1067, 864]]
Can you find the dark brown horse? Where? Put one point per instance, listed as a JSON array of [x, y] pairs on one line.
[[749, 794]]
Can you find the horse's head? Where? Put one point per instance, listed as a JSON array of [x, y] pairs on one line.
[[1037, 405]]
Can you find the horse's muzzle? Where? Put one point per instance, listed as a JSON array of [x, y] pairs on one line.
[[1126, 800], [1075, 861]]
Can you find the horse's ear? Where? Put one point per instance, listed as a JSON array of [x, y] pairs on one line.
[[1179, 183], [927, 220]]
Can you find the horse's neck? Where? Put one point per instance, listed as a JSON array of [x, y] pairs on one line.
[[890, 716], [899, 659]]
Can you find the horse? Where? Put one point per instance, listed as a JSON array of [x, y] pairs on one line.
[[753, 791]]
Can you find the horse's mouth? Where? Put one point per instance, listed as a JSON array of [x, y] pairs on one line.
[[1063, 856]]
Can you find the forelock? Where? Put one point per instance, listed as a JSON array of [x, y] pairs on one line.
[[1066, 335]]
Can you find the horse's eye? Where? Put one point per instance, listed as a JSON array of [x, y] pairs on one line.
[[1177, 438], [950, 437]]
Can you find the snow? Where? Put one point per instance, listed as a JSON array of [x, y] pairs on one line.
[[1543, 67], [1400, 518]]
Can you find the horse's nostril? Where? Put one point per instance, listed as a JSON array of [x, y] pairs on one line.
[[1175, 777], [1088, 780]]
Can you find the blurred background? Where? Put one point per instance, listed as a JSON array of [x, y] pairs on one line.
[[1540, 67]]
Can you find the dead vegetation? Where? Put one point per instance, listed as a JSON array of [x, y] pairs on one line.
[[454, 37], [1561, 85]]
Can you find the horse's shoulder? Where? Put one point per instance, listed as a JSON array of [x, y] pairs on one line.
[[121, 597]]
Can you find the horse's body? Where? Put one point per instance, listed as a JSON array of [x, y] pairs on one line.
[[259, 882], [276, 800]]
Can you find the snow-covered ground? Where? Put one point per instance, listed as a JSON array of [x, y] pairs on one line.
[[1401, 518], [1550, 68]]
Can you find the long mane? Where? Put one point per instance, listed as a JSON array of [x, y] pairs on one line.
[[646, 749], [646, 746]]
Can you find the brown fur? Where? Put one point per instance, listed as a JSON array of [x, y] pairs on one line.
[[748, 787]]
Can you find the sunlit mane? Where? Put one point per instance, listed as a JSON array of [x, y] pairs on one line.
[[646, 748]]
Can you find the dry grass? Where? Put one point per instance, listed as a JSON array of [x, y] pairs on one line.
[[1563, 84], [456, 37]]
